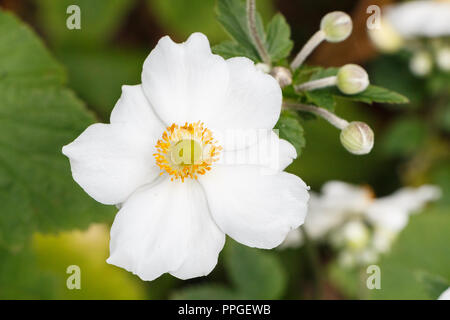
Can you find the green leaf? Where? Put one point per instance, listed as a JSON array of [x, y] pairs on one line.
[[291, 129], [434, 284], [108, 70], [257, 274], [442, 116], [394, 73], [89, 250], [323, 73], [440, 176], [37, 117], [254, 273], [181, 18], [326, 97], [232, 15], [323, 98], [421, 248], [438, 82], [230, 49], [377, 94], [279, 43], [305, 73], [404, 137], [205, 292], [39, 270], [100, 19], [20, 277]]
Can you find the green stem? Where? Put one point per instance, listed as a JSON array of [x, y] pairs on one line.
[[251, 20], [314, 261]]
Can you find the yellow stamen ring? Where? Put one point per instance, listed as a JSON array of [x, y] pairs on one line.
[[186, 151]]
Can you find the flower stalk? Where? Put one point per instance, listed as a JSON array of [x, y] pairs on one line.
[[309, 47], [317, 84], [251, 20], [350, 79], [335, 26], [321, 112]]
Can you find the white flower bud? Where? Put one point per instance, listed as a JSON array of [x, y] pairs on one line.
[[443, 58], [421, 64], [263, 67], [352, 79], [282, 75], [386, 38], [355, 235], [337, 26], [357, 137]]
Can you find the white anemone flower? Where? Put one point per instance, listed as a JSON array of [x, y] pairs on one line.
[[351, 218], [423, 18], [445, 295], [411, 20], [160, 161]]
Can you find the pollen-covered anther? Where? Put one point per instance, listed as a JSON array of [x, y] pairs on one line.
[[186, 151]]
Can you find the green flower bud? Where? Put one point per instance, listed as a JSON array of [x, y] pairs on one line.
[[337, 26], [357, 138], [282, 75], [352, 79]]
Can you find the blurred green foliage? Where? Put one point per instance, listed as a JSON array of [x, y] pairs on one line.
[[38, 111], [39, 272], [417, 267], [254, 273], [37, 193], [100, 21]]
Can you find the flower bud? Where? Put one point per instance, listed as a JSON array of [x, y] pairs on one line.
[[356, 235], [443, 58], [421, 64], [357, 137], [385, 37], [352, 79], [263, 67], [337, 26], [282, 75]]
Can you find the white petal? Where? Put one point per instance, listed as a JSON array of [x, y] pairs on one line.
[[294, 239], [252, 105], [392, 212], [253, 99], [445, 295], [166, 227], [134, 109], [187, 83], [255, 209], [321, 219], [346, 197], [383, 215], [420, 18], [110, 161], [338, 201], [267, 150], [287, 154], [184, 81]]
